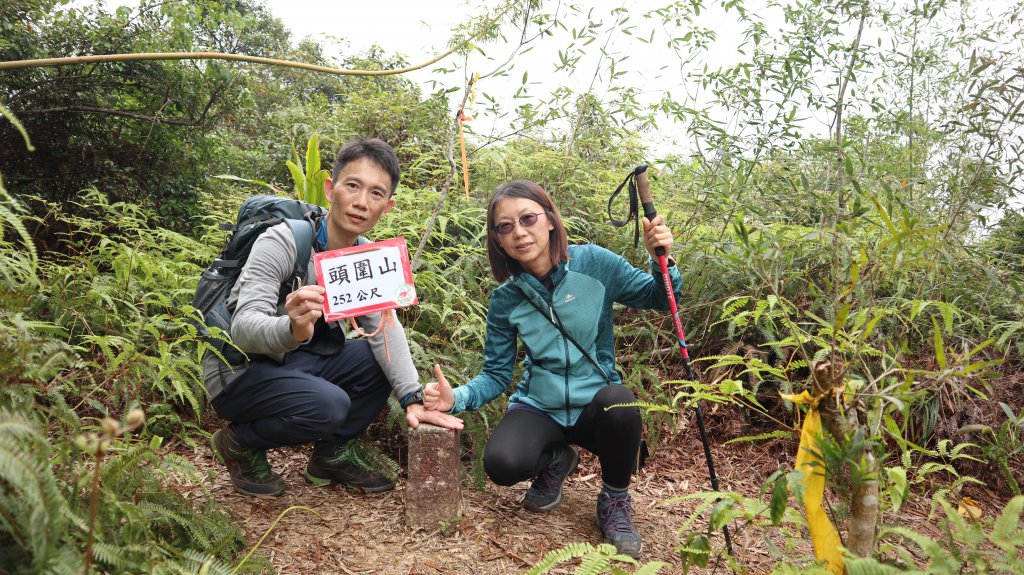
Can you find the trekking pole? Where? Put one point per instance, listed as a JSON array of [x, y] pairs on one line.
[[643, 188]]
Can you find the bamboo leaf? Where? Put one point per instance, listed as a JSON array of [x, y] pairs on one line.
[[899, 489], [940, 348], [312, 160], [298, 178], [780, 497]]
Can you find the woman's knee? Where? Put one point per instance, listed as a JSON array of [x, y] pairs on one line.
[[610, 395], [504, 468]]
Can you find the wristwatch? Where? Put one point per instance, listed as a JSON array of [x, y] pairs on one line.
[[414, 397]]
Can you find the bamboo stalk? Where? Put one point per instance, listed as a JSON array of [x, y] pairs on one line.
[[70, 60]]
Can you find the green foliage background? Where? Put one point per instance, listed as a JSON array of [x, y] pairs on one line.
[[869, 245]]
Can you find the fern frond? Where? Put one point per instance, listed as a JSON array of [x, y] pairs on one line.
[[8, 217], [777, 434], [871, 566], [199, 562], [651, 407], [652, 568], [594, 564], [561, 555], [32, 510], [114, 556], [367, 454], [821, 354], [732, 304], [1006, 532]]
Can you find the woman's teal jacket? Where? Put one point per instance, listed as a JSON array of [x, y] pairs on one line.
[[558, 378]]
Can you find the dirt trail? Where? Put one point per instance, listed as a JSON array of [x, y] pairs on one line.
[[365, 534]]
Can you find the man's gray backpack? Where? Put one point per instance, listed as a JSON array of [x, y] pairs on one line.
[[256, 216]]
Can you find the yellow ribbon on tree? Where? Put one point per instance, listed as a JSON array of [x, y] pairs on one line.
[[808, 460]]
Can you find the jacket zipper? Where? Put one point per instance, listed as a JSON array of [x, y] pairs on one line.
[[565, 346]]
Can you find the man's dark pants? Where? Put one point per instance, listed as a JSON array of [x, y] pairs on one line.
[[309, 397]]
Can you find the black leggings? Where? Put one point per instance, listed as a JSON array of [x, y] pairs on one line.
[[521, 445]]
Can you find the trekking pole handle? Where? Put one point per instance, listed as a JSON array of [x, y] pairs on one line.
[[643, 188]]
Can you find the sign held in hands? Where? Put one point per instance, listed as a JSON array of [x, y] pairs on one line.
[[364, 279]]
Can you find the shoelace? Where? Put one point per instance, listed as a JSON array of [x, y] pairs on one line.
[[619, 515], [549, 481], [551, 478]]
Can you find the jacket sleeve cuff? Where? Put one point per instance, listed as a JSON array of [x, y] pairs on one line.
[[460, 400], [656, 266]]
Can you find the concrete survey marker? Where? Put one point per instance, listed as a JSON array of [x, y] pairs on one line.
[[433, 495]]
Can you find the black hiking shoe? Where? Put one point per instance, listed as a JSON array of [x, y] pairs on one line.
[[331, 463], [615, 520], [546, 491], [248, 467]]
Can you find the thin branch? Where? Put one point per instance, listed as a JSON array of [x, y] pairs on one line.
[[124, 113], [46, 62], [522, 42], [839, 113], [447, 180]]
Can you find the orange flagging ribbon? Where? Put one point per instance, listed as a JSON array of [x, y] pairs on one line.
[[463, 118], [386, 321]]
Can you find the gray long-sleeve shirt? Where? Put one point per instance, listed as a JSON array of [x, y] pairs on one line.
[[260, 326]]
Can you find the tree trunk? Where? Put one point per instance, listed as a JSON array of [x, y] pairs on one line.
[[864, 509], [841, 422]]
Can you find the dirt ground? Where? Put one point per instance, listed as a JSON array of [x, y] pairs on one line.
[[366, 534]]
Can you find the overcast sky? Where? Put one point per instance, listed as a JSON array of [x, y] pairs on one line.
[[414, 28], [420, 29]]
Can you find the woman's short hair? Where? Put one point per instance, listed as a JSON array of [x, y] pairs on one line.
[[503, 266]]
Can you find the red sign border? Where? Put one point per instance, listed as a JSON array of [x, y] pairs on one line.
[[403, 250]]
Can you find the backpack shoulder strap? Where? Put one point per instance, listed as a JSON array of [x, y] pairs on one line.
[[302, 231]]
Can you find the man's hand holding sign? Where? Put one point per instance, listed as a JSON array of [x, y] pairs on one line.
[[304, 306]]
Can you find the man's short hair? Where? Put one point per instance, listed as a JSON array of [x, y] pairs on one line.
[[376, 150]]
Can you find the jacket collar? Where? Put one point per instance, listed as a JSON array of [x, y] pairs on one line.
[[532, 287]]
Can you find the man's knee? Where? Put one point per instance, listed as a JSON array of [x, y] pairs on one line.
[[329, 411]]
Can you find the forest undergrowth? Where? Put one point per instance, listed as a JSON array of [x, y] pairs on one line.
[[850, 247]]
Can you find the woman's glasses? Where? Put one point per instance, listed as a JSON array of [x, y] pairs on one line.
[[525, 220]]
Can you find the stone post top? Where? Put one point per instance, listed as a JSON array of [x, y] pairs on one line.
[[431, 428]]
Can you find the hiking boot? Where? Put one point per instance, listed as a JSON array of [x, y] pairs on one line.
[[546, 491], [248, 467], [331, 463], [615, 519]]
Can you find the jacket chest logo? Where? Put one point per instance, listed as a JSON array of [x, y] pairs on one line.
[[569, 298]]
